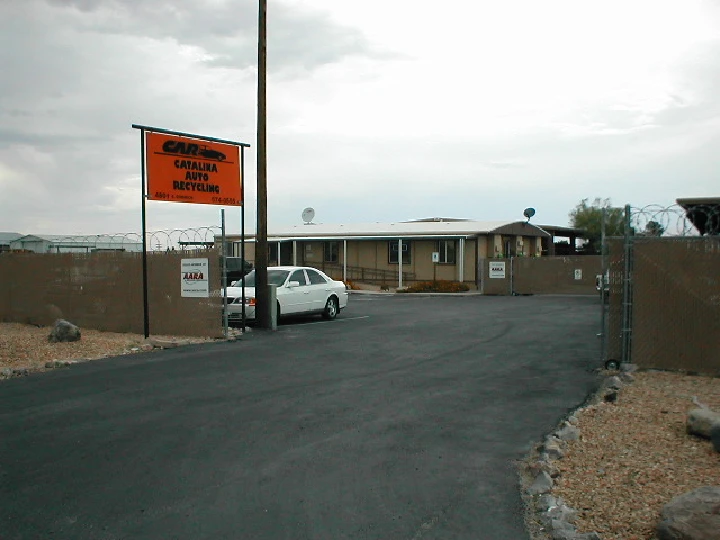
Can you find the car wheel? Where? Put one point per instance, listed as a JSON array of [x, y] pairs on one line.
[[331, 308], [612, 365]]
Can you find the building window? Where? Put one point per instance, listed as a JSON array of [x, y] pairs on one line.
[[393, 252], [331, 252], [446, 248]]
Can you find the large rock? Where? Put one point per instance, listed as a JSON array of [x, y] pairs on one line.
[[64, 331], [715, 437], [692, 516], [701, 421], [543, 483]]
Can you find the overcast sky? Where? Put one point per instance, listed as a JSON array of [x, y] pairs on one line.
[[380, 110]]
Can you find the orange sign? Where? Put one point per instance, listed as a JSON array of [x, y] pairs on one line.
[[181, 169]]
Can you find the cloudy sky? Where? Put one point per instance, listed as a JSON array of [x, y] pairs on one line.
[[380, 110]]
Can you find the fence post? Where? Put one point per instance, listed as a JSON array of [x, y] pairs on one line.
[[603, 269], [627, 289]]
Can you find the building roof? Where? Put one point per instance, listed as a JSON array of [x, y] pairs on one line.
[[703, 212], [405, 229], [7, 237]]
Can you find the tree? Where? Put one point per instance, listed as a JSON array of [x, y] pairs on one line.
[[653, 228], [588, 218]]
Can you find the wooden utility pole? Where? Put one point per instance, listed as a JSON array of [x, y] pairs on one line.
[[262, 293]]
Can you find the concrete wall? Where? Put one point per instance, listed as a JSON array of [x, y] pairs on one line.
[[103, 291]]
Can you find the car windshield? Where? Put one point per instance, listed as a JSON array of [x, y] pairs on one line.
[[275, 277]]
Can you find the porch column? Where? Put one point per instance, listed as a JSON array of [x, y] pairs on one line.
[[400, 261], [345, 260], [295, 253], [461, 260]]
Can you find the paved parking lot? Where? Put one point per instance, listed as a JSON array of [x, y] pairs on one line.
[[399, 420]]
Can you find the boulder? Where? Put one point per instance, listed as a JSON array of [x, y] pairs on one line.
[[64, 331], [568, 433], [701, 421], [542, 484], [692, 516], [715, 437]]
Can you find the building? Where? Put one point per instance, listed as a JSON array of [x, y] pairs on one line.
[[52, 243], [404, 252], [6, 238]]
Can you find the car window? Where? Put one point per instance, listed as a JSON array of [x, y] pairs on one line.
[[315, 278], [275, 277], [298, 275]]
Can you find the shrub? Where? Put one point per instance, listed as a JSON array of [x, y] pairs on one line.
[[440, 286], [351, 285]]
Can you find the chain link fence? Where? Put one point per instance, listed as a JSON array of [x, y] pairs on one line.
[[660, 288], [162, 240]]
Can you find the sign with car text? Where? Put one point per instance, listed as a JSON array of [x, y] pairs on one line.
[[187, 170], [194, 278], [497, 269]]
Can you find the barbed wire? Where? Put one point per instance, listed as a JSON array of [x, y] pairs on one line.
[[656, 220], [161, 240]]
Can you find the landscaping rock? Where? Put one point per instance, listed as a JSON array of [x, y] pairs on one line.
[[715, 437], [568, 433], [692, 516], [701, 421], [64, 331], [7, 372], [542, 484], [613, 382], [628, 368], [610, 395], [554, 451], [546, 502]]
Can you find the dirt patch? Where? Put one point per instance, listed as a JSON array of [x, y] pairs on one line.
[[25, 346], [634, 455]]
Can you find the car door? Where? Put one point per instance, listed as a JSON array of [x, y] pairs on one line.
[[296, 299], [319, 289]]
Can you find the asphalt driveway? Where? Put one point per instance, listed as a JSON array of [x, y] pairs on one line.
[[401, 419]]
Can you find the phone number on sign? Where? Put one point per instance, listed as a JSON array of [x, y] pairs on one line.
[[225, 200]]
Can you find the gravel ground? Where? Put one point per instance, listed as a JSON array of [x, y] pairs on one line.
[[27, 346], [632, 458]]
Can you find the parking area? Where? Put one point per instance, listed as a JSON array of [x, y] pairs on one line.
[[401, 419]]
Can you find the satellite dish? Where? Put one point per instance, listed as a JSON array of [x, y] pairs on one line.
[[307, 215], [528, 213]]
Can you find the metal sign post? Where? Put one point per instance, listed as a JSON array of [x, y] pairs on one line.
[[187, 168]]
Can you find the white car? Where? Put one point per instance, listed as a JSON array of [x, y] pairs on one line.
[[300, 290]]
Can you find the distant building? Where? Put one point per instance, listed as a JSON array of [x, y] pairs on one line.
[[52, 243], [6, 238]]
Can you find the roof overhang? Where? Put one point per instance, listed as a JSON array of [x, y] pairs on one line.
[[703, 213]]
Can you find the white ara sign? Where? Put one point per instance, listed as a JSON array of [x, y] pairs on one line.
[[497, 269], [194, 278]]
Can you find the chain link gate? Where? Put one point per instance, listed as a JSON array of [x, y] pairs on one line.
[[657, 261]]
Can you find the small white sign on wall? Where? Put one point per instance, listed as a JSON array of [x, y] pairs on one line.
[[497, 270], [436, 256], [578, 274], [194, 278]]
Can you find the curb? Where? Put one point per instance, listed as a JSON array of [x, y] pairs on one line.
[[547, 516]]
